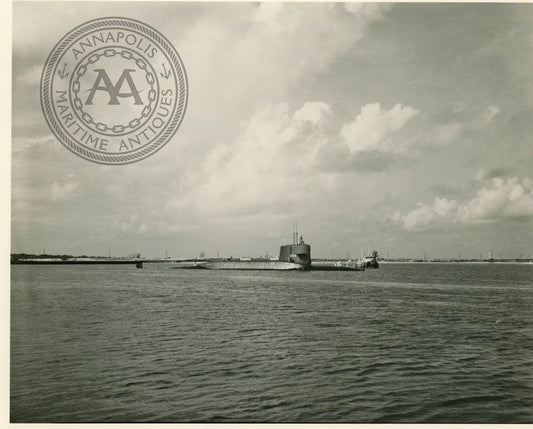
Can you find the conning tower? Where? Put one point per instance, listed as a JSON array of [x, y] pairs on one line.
[[298, 252]]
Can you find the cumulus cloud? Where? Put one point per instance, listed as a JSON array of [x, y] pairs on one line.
[[22, 143], [63, 191], [275, 153], [366, 10], [490, 112], [267, 15], [312, 112], [288, 153], [482, 118], [375, 128], [492, 173], [446, 133], [131, 225], [31, 75], [498, 200], [466, 123], [511, 198], [375, 161], [313, 45], [445, 189], [283, 44], [425, 216]]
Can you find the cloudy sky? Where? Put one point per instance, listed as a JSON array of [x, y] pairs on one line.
[[406, 128]]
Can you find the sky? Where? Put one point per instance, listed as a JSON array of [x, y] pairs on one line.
[[405, 128]]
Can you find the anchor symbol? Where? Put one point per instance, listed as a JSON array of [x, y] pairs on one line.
[[62, 74], [167, 72]]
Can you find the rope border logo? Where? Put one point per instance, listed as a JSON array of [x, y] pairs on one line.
[[114, 90]]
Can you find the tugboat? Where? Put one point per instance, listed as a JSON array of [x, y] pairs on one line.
[[371, 261]]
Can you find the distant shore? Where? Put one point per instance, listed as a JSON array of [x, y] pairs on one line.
[[457, 261], [29, 259]]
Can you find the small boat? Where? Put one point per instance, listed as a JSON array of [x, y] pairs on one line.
[[371, 261]]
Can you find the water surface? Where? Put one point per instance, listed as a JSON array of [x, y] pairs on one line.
[[411, 343]]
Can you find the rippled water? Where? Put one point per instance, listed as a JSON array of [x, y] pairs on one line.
[[404, 343]]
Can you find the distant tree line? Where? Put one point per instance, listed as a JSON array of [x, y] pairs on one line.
[[19, 256]]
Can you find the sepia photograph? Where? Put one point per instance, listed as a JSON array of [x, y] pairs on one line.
[[270, 212]]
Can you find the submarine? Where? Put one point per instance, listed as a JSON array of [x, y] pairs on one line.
[[294, 256]]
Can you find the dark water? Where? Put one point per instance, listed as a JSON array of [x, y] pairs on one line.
[[405, 343]]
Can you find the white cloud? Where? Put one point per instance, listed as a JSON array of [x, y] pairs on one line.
[[425, 216], [276, 46], [481, 118], [500, 199], [63, 191], [313, 45], [366, 10], [376, 128], [30, 76], [23, 143], [271, 162], [130, 225], [312, 112], [446, 133], [492, 173], [286, 154], [267, 15], [511, 198], [489, 113]]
